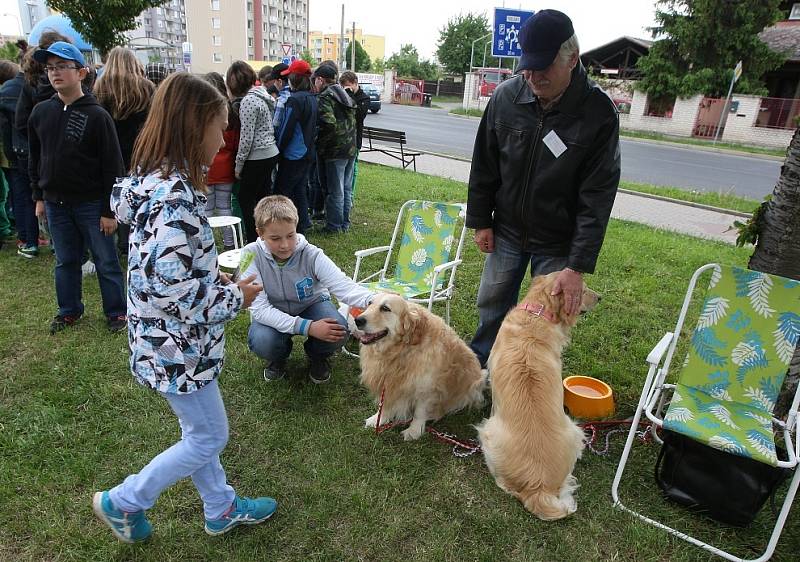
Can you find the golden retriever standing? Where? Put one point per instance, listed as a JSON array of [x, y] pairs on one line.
[[417, 361], [529, 443]]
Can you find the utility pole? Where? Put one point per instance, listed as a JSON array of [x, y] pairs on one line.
[[341, 43], [353, 49]]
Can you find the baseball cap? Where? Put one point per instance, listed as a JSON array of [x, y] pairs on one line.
[[298, 66], [61, 49], [540, 38], [326, 71], [277, 70]]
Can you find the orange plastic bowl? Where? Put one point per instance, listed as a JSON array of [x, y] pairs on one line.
[[588, 397]]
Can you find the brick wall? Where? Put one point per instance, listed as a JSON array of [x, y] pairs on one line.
[[680, 124], [740, 126]]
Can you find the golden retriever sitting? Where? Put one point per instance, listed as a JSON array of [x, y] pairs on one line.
[[529, 443], [419, 363]]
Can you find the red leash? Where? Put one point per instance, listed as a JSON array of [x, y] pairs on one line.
[[467, 447], [461, 447]]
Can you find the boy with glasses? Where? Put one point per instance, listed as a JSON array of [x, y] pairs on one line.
[[74, 160]]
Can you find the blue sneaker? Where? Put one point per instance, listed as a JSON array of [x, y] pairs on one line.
[[127, 527], [243, 511]]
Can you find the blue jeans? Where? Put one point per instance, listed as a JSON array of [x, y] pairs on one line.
[[73, 227], [272, 345], [204, 434], [336, 178], [291, 181], [24, 209], [499, 291]]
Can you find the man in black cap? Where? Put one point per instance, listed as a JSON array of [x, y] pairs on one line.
[[545, 171]]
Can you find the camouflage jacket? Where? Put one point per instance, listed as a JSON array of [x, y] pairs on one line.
[[336, 118]]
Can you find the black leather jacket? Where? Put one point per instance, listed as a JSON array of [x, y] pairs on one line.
[[547, 205]]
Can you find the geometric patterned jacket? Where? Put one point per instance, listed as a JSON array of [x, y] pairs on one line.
[[177, 303]]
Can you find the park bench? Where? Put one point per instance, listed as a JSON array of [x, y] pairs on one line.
[[388, 136]]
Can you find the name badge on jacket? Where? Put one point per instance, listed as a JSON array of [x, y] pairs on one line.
[[554, 143]]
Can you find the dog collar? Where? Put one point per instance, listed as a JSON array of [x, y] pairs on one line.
[[537, 309]]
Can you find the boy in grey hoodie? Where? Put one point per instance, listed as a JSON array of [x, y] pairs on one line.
[[257, 154], [298, 279]]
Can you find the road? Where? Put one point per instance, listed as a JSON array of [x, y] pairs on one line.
[[687, 168]]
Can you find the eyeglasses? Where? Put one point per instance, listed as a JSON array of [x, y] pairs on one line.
[[60, 67]]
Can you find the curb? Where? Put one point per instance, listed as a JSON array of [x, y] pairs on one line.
[[686, 203], [703, 206], [688, 146]]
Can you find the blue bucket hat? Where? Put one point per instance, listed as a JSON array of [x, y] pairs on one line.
[[60, 49], [540, 38]]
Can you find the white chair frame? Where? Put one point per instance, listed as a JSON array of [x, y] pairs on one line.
[[652, 403], [231, 258]]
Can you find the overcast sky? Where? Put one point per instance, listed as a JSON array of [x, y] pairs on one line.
[[418, 21]]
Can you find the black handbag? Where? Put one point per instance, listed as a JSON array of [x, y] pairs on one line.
[[726, 487]]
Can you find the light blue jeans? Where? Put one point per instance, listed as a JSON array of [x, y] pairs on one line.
[[499, 291], [204, 427], [272, 345]]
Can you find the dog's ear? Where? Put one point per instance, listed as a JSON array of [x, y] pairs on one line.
[[554, 303], [414, 324]]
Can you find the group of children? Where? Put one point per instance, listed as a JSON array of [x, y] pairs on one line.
[[178, 300]]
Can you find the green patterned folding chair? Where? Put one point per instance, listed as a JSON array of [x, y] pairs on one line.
[[427, 251], [738, 354]]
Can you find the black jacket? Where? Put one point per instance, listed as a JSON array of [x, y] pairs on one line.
[[361, 99], [74, 152], [15, 144], [547, 205]]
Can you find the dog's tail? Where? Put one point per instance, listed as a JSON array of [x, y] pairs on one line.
[[549, 507]]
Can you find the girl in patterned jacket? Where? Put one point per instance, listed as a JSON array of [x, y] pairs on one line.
[[178, 302]]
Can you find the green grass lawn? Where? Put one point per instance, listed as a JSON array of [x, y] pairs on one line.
[[704, 142], [74, 421], [446, 99], [719, 199], [471, 112]]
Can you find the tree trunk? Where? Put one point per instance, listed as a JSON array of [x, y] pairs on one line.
[[778, 248]]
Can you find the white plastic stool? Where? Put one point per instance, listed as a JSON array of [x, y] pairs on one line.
[[229, 259]]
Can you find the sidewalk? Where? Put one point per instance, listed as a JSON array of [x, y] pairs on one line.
[[677, 217]]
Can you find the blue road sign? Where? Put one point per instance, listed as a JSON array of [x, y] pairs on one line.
[[286, 60], [505, 34]]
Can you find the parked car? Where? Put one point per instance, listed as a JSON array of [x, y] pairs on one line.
[[490, 78], [374, 97]]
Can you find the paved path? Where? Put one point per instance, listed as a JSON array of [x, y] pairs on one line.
[[677, 217], [682, 166]]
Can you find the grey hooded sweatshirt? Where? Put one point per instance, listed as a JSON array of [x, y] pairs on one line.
[[257, 134]]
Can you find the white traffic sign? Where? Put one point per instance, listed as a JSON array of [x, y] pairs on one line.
[[287, 49]]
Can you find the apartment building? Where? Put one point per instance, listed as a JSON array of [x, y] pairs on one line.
[[324, 46], [31, 12], [273, 23], [216, 31], [160, 34]]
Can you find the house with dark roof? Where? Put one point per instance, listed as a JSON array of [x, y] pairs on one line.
[[617, 58]]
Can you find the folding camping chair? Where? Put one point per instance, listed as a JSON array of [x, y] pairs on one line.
[[429, 246], [739, 352]]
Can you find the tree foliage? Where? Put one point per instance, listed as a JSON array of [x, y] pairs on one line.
[[378, 65], [9, 51], [103, 22], [308, 57], [407, 64], [455, 41], [699, 42], [362, 58]]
